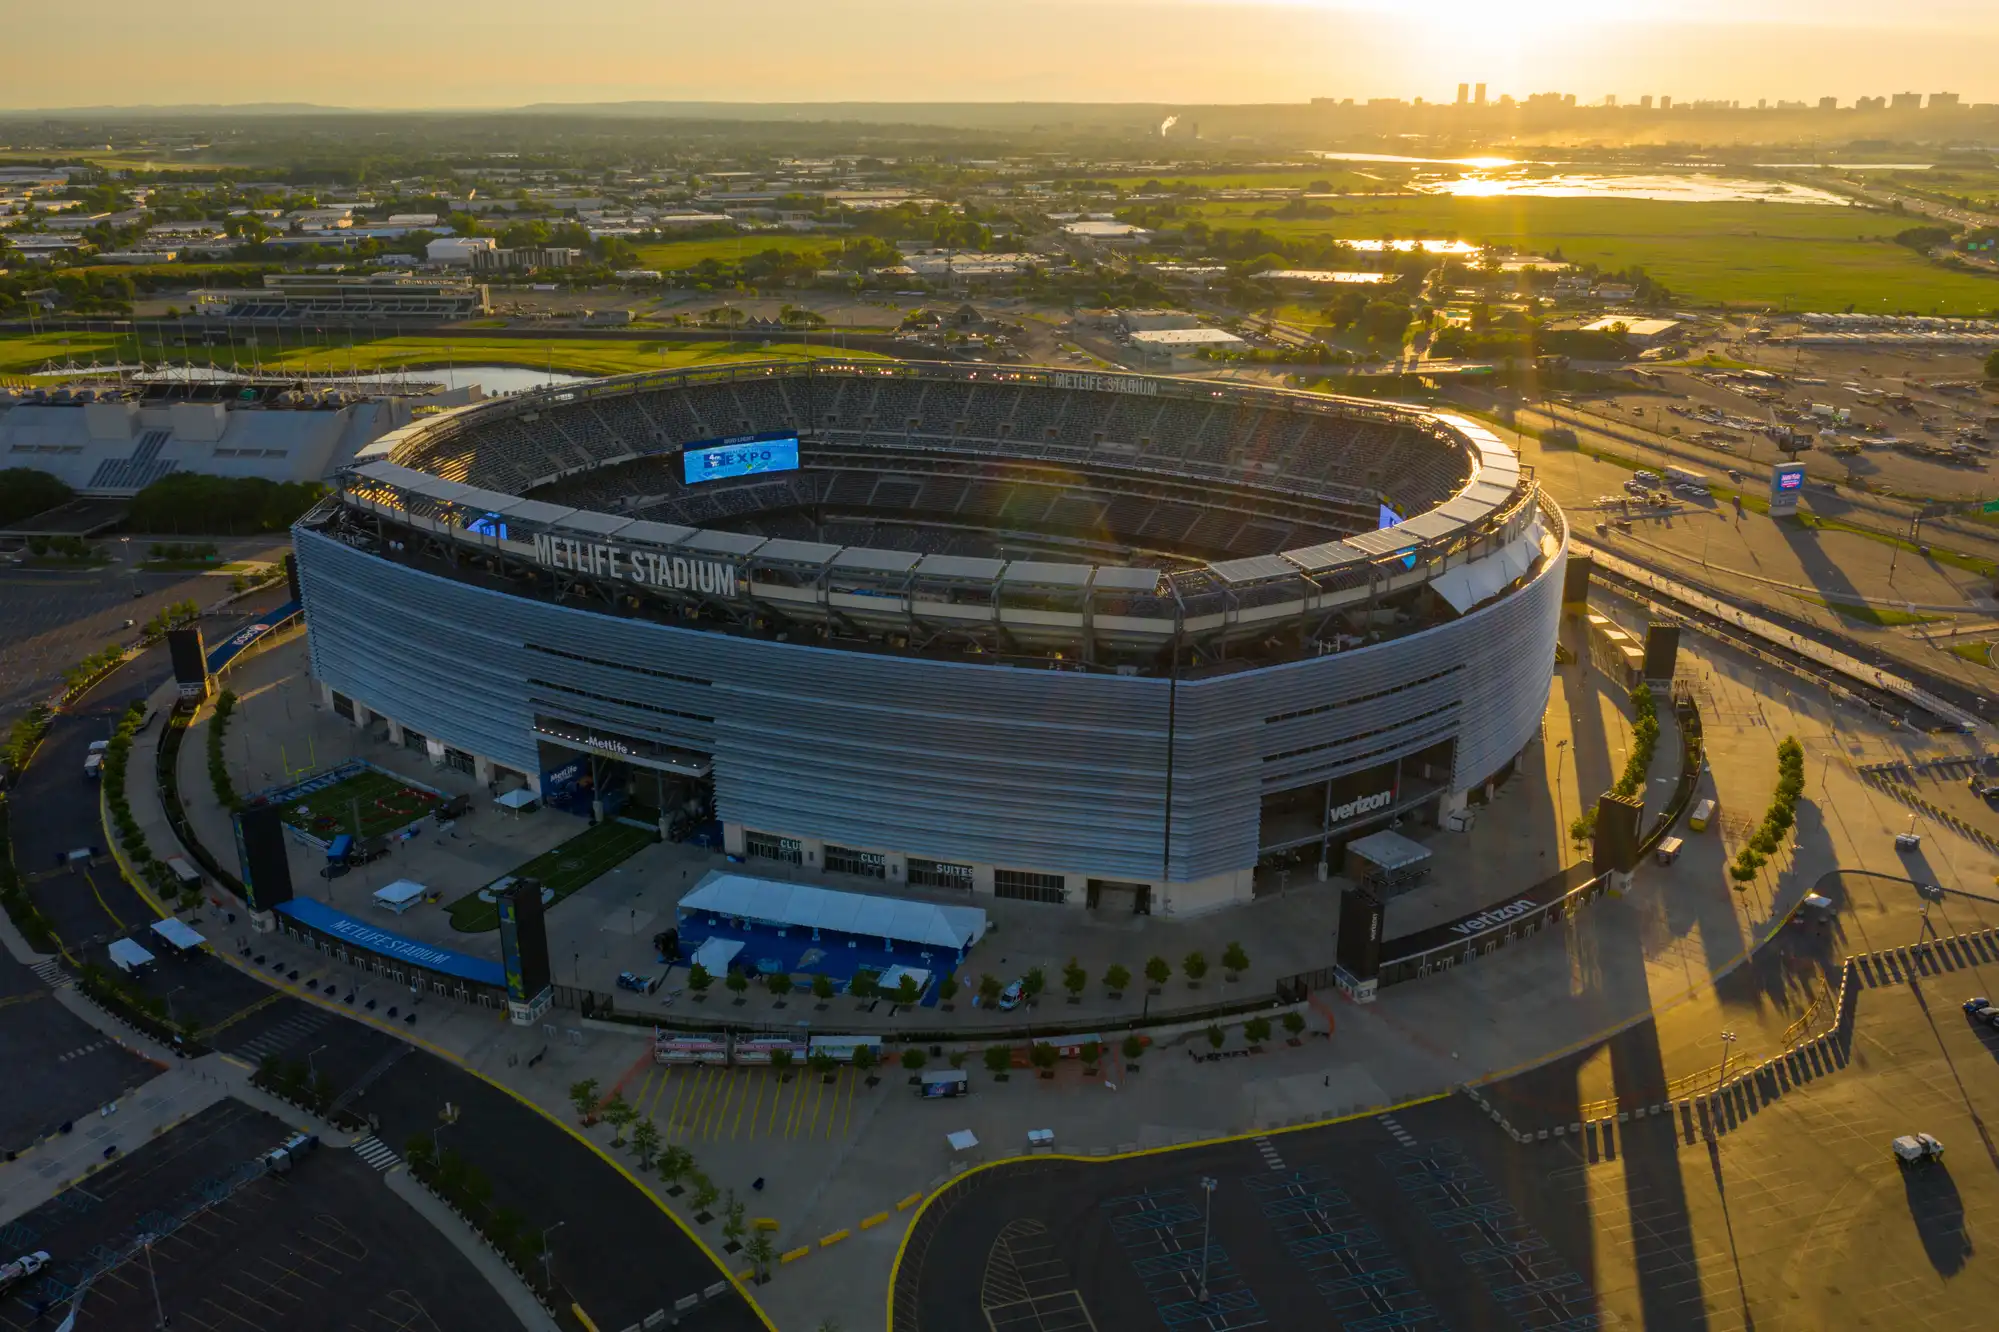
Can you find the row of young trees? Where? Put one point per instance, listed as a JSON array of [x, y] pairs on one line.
[[117, 756], [218, 767], [1779, 817]]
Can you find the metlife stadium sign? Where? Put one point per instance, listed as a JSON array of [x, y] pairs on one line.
[[630, 564], [739, 455]]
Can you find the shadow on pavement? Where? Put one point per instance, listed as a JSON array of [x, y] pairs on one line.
[[1938, 1211]]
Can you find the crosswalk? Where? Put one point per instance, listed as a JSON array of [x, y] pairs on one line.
[[50, 973], [1396, 1131], [80, 1051], [1270, 1156], [282, 1037], [376, 1153]]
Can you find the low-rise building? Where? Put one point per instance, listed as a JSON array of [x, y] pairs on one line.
[[458, 251]]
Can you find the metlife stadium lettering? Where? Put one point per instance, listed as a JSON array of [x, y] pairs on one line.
[[1145, 388], [647, 568]]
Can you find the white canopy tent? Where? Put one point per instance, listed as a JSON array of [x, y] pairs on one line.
[[900, 920], [715, 955], [399, 896], [128, 956], [177, 933]]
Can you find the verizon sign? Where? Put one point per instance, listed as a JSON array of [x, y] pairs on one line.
[[1358, 806]]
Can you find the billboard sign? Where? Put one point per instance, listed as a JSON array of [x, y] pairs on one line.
[[739, 455], [1787, 486]]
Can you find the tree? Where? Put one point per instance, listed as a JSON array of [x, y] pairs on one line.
[[674, 1163], [821, 1063], [738, 983], [947, 990], [1033, 983], [862, 986], [1116, 979], [698, 980], [913, 1059], [705, 1194], [760, 1251], [1156, 971], [779, 984], [1075, 980], [583, 1095], [989, 989], [780, 1060], [645, 1142], [907, 991], [1195, 965], [1293, 1024], [732, 1218], [1234, 960], [864, 1061], [1257, 1030], [1043, 1056], [999, 1059], [1216, 1036], [822, 988], [1134, 1046], [1091, 1052], [618, 1113]]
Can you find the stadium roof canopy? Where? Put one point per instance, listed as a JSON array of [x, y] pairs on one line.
[[899, 920]]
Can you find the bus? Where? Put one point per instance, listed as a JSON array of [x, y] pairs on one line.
[[1702, 815]]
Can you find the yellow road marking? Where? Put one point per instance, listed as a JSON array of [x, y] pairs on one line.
[[736, 1128], [797, 1086], [100, 898], [776, 1099], [25, 998], [679, 1078], [253, 1006], [690, 1114]]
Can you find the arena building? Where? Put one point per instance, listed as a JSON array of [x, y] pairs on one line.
[[1103, 640]]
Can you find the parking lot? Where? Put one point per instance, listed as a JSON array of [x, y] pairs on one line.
[[1794, 1214], [326, 1246]]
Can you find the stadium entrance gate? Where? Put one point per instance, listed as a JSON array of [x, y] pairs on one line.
[[593, 773]]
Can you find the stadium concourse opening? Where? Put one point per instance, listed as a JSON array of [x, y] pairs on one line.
[[1097, 640]]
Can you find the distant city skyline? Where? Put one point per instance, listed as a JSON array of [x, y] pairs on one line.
[[510, 53]]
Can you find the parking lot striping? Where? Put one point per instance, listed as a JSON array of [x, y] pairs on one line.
[[254, 1006], [94, 892]]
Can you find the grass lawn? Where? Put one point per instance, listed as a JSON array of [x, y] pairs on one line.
[[1977, 653], [26, 353], [563, 869], [1877, 617], [1787, 256], [383, 803], [668, 256], [1226, 178]]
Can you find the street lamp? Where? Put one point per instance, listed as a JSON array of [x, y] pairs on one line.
[[547, 1254], [1727, 1039], [312, 1069], [1207, 1228]]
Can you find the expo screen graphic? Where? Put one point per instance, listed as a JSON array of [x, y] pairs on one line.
[[739, 455], [1790, 479]]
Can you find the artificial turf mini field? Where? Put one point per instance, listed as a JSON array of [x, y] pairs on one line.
[[382, 802], [562, 869]]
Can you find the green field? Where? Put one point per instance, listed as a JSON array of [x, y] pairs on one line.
[[563, 869], [1779, 256], [383, 803], [669, 256], [1296, 178], [26, 353]]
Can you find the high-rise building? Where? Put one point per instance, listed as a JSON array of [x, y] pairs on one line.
[[1870, 103], [1905, 102], [1610, 99], [1480, 98], [1645, 102], [1943, 101], [1464, 93], [1665, 102], [1828, 104]]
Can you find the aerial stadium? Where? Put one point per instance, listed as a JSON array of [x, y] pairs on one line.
[[1102, 640]]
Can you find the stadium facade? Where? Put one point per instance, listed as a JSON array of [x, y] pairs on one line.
[[1079, 638]]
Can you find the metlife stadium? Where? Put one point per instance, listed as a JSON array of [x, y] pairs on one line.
[[1068, 637]]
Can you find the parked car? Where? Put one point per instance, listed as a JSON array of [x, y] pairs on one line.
[[12, 1274], [1917, 1148], [640, 984], [1012, 995], [1977, 1005], [1908, 841]]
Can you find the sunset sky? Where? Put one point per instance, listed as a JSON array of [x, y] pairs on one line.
[[420, 53]]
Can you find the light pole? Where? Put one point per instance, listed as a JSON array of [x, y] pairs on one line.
[[312, 1069], [159, 1310], [1727, 1039], [547, 1254], [1207, 1229], [170, 1004]]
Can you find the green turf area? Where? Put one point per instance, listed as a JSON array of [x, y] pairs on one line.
[[1977, 653], [669, 256], [382, 802], [24, 353], [1785, 256], [563, 869], [1225, 178]]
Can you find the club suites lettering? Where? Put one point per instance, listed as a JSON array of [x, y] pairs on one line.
[[648, 568]]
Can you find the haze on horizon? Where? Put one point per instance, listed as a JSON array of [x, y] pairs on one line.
[[507, 53]]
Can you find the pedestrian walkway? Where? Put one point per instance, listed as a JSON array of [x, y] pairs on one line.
[[291, 1032], [50, 973], [376, 1153]]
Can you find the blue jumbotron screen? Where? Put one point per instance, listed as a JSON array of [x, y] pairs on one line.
[[740, 455]]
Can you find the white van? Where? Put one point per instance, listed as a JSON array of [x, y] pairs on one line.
[[93, 767]]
